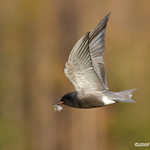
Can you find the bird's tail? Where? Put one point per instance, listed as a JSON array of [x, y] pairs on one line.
[[125, 96]]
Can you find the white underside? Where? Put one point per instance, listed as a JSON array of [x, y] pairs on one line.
[[107, 101]]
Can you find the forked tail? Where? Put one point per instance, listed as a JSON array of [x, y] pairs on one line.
[[125, 96]]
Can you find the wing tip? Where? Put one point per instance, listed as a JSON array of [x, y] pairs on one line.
[[104, 20], [100, 26], [108, 14]]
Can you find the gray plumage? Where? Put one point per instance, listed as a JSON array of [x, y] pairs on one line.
[[85, 69]]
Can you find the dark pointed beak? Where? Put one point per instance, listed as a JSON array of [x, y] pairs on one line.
[[60, 103]]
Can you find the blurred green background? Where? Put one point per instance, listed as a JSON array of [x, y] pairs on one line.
[[36, 37]]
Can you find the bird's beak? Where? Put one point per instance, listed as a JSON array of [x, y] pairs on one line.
[[60, 103]]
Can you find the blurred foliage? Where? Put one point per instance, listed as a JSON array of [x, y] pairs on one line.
[[35, 40]]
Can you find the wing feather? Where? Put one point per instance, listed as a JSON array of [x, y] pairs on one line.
[[79, 68], [96, 47], [85, 65]]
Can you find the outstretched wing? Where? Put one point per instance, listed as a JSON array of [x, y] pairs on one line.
[[82, 68], [96, 48], [79, 68]]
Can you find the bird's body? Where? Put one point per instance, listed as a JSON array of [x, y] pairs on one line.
[[83, 100], [85, 69]]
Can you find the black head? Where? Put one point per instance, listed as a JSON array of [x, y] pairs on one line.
[[70, 99]]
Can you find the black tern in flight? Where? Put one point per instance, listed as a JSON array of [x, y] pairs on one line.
[[85, 69]]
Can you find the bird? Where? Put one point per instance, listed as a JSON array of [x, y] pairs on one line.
[[85, 69]]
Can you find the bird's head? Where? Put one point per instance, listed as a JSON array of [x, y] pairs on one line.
[[68, 99]]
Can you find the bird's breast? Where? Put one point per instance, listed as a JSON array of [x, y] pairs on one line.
[[90, 101]]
